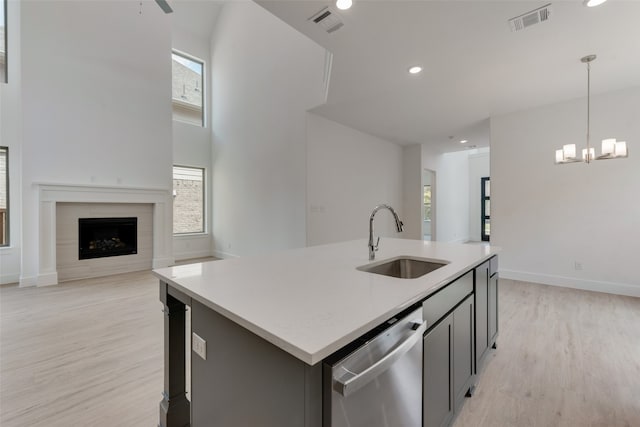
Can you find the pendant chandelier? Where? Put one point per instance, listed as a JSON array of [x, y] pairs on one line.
[[611, 149]]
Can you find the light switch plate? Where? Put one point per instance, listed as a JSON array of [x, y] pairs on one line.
[[199, 345]]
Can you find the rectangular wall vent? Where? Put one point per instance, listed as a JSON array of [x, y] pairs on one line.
[[327, 19], [542, 14]]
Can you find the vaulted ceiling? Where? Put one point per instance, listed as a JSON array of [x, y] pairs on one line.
[[474, 65]]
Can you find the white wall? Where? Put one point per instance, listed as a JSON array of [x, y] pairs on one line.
[[451, 195], [348, 174], [412, 192], [547, 217], [265, 77], [96, 102], [192, 146], [11, 136], [479, 167]]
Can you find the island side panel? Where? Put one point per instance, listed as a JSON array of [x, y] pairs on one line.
[[247, 381], [493, 302], [174, 407]]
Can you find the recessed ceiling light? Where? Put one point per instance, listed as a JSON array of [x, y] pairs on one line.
[[593, 3], [415, 69], [343, 4], [464, 141]]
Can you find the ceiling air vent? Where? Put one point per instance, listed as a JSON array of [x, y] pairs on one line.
[[327, 19], [528, 19]]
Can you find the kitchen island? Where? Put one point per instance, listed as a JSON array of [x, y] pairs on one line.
[[263, 324]]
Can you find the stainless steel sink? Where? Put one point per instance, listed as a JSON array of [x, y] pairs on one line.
[[404, 267]]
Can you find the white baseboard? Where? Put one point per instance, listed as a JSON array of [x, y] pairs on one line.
[[572, 282], [48, 279], [162, 262], [223, 255], [5, 279], [191, 255], [39, 280], [26, 282]]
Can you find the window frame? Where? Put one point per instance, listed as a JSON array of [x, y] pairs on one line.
[[204, 201], [5, 7], [202, 86], [7, 228]]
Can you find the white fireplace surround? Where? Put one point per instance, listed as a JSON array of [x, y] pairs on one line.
[[49, 194]]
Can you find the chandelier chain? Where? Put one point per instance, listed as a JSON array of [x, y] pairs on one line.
[[588, 159]]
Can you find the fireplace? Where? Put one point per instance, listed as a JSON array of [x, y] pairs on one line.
[[107, 237]]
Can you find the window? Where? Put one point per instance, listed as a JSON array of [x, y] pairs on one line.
[[3, 41], [187, 91], [427, 202], [485, 207], [4, 196], [188, 200]]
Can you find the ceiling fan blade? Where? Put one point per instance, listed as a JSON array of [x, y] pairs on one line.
[[164, 6]]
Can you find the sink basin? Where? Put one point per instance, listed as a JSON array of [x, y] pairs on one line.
[[403, 267]]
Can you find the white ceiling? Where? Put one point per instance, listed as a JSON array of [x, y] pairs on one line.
[[474, 66], [195, 17]]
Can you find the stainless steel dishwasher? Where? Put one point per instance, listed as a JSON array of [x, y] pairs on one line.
[[377, 380]]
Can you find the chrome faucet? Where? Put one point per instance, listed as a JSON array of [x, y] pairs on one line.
[[373, 248]]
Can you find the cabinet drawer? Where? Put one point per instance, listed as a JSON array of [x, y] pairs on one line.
[[493, 266], [436, 306]]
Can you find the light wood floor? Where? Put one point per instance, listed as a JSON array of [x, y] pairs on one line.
[[84, 353], [565, 358], [89, 353]]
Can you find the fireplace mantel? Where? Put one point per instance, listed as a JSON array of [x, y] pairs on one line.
[[51, 193]]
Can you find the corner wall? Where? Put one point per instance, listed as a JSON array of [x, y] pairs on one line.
[[265, 77], [11, 137], [451, 194], [412, 192], [573, 225], [349, 173]]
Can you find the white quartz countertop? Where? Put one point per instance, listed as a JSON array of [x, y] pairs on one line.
[[311, 302]]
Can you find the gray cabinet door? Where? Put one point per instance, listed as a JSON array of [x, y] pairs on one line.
[[482, 321], [463, 361], [438, 360], [492, 309]]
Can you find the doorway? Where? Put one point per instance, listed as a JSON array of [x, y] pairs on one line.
[[428, 205], [485, 207]]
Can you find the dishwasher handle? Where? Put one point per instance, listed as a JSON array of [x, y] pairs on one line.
[[346, 387]]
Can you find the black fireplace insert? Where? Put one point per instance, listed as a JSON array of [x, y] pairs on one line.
[[106, 237]]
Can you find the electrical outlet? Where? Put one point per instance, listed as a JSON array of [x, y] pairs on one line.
[[199, 345], [577, 265]]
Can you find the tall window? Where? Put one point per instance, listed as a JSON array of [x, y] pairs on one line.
[[187, 89], [3, 41], [4, 196], [188, 200], [427, 202], [485, 207]]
